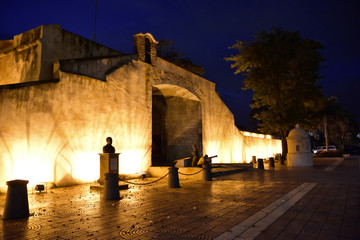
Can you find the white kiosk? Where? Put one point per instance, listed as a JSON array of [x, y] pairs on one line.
[[299, 148]]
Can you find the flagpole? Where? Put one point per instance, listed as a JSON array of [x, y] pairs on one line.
[[95, 21]]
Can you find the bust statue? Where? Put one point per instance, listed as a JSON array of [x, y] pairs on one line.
[[108, 148]]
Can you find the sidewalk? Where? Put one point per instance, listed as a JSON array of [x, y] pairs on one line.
[[297, 203]]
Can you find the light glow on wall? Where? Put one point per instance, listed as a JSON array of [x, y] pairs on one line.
[[42, 164], [261, 147], [211, 149], [259, 135], [130, 161], [246, 134], [31, 166], [86, 167]]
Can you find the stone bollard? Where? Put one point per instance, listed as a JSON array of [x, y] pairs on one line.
[[207, 176], [260, 163], [17, 204], [272, 162], [173, 178], [111, 188]]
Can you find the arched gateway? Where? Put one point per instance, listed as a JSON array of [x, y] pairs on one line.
[[176, 123]]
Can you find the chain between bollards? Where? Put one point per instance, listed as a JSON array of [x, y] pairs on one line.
[[145, 183], [190, 174], [173, 180]]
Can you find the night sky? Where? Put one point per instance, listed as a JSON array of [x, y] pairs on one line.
[[203, 31]]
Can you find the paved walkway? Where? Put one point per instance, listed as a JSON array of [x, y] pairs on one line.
[[321, 202]]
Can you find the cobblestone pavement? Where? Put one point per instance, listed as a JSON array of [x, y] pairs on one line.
[[321, 202]]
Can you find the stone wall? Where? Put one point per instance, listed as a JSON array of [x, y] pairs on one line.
[[260, 146], [53, 131], [33, 53]]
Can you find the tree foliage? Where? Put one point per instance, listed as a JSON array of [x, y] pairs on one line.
[[166, 51], [281, 68], [336, 123]]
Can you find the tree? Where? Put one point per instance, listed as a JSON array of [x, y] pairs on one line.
[[281, 68], [343, 129], [166, 51], [336, 123]]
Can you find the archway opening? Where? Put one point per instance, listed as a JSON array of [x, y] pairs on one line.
[[176, 124], [147, 51]]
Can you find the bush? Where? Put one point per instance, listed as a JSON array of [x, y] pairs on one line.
[[329, 154]]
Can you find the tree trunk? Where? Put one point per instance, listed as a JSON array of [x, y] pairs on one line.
[[326, 134], [284, 146]]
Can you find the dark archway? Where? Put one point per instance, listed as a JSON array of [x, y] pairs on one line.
[[147, 51], [176, 124], [159, 141]]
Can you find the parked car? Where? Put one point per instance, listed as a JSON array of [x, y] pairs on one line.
[[323, 149]]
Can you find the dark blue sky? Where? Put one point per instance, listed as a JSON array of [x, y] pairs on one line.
[[203, 31]]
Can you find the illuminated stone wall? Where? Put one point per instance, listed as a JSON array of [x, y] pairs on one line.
[[53, 131], [259, 145], [30, 55]]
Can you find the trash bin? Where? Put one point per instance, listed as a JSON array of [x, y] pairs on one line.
[[111, 188], [17, 204]]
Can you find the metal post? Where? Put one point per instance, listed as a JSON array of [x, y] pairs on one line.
[[260, 163], [207, 176], [111, 189], [272, 162], [17, 204], [173, 178], [253, 160]]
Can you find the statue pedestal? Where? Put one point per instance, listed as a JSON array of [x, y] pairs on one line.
[[109, 163]]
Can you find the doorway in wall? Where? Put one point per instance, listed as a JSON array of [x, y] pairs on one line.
[[176, 124]]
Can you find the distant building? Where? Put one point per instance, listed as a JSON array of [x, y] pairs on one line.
[[61, 95]]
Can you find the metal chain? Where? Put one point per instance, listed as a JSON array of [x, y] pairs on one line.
[[189, 174], [146, 183]]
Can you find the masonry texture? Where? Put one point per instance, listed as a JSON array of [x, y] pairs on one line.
[[61, 95]]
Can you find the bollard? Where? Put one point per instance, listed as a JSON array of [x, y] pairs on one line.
[[253, 160], [207, 176], [111, 188], [173, 178], [272, 162], [260, 163], [17, 204]]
